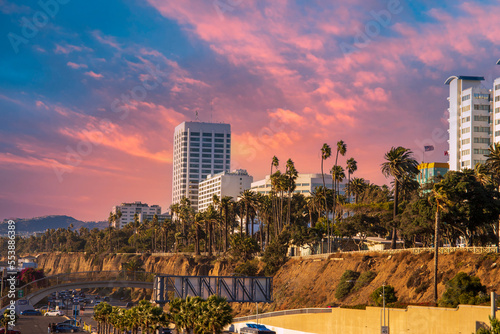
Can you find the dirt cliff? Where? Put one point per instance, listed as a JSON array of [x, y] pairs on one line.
[[305, 282]]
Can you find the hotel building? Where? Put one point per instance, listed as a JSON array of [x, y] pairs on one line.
[[474, 120], [223, 184], [200, 149], [143, 211]]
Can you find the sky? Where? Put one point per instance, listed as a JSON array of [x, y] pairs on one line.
[[90, 92]]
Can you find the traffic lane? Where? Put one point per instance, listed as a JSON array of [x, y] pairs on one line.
[[35, 324]]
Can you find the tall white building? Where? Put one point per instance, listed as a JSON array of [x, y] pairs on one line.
[[305, 184], [223, 184], [470, 120], [143, 210], [200, 149]]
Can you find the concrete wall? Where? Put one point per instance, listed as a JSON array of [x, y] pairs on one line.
[[429, 320]]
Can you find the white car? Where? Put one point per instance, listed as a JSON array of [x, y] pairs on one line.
[[53, 313]]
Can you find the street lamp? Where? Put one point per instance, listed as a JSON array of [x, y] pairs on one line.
[[384, 328]]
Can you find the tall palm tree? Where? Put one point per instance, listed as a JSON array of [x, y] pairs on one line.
[[291, 175], [338, 175], [216, 313], [351, 167], [274, 163], [247, 198], [441, 198], [493, 164], [399, 162], [326, 152], [225, 204]]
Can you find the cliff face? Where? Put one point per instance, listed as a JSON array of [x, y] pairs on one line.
[[307, 282], [57, 263]]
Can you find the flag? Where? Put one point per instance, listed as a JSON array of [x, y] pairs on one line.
[[445, 152], [428, 148]]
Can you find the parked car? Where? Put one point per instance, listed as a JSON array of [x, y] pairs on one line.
[[31, 312], [106, 299], [71, 322], [66, 329], [54, 313], [129, 305], [43, 308]]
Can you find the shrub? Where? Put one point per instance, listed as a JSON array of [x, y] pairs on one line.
[[248, 268], [243, 247], [364, 279], [464, 289], [377, 296], [275, 254], [346, 284]]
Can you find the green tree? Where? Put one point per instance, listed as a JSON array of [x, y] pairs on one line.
[[464, 289], [399, 163], [351, 167], [216, 313], [493, 165], [495, 327], [386, 291]]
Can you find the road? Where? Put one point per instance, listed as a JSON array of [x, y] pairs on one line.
[[39, 324]]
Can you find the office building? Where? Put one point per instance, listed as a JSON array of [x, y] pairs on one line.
[[470, 120], [200, 149], [223, 184], [143, 211], [427, 171], [305, 184]]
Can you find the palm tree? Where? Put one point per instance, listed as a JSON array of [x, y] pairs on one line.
[[351, 167], [493, 164], [338, 175], [274, 163], [357, 186], [326, 152], [399, 162], [291, 175], [247, 198], [441, 197], [225, 204], [216, 314]]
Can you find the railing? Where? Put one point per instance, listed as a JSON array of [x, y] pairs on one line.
[[442, 250], [281, 313], [85, 276]]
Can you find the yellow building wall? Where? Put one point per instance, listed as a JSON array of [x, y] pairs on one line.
[[465, 319]]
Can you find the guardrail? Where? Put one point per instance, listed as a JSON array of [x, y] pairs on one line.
[[84, 276], [442, 250], [281, 313]]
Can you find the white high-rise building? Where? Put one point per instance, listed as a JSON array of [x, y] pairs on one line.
[[470, 121], [143, 211], [223, 184], [200, 149]]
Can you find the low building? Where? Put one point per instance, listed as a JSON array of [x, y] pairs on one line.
[[223, 184], [429, 170], [129, 210], [305, 184]]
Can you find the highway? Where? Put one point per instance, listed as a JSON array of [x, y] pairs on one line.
[[39, 324]]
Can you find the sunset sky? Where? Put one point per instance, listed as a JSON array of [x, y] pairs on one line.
[[90, 91]]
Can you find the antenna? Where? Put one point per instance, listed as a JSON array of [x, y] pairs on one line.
[[211, 110], [197, 115]]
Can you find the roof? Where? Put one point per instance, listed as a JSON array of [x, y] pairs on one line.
[[425, 165], [463, 77]]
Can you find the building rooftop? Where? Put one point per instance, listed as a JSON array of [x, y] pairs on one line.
[[463, 77], [426, 165]]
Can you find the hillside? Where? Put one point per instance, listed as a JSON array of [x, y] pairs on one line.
[[40, 224], [312, 283]]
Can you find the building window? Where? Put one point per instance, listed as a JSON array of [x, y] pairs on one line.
[[497, 133], [206, 166], [481, 151], [465, 141], [217, 140], [482, 96], [219, 135], [207, 150], [481, 107], [465, 130], [193, 155], [207, 140], [466, 97], [466, 108], [482, 129], [194, 149], [497, 110], [497, 98], [467, 119], [206, 161], [207, 134], [195, 144], [195, 134], [481, 118], [479, 140], [206, 155], [194, 139], [465, 152], [497, 87]]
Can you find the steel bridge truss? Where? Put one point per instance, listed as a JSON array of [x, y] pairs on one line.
[[234, 289]]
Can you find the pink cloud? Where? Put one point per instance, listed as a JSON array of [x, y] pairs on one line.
[[76, 66], [94, 75]]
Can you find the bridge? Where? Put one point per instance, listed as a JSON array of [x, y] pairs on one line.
[[37, 290]]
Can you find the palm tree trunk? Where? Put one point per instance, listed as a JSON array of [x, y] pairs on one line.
[[226, 230], [436, 252], [326, 206], [395, 213]]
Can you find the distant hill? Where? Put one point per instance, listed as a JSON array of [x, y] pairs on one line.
[[38, 224]]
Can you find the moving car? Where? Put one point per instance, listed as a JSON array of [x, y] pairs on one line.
[[54, 313], [10, 331], [31, 312]]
